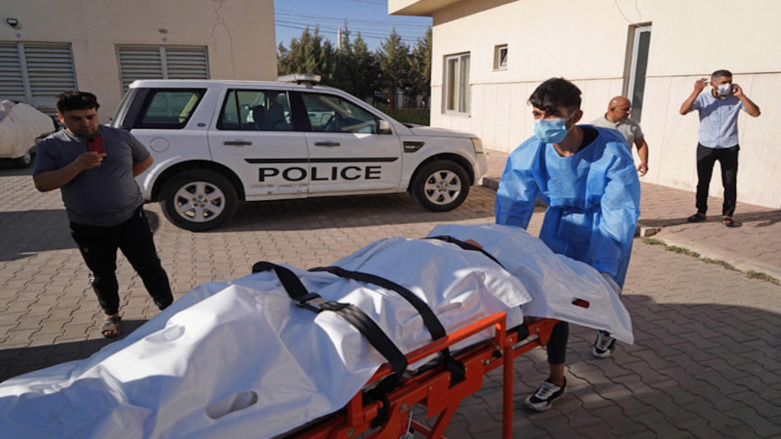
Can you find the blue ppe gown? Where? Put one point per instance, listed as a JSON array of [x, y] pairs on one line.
[[593, 199]]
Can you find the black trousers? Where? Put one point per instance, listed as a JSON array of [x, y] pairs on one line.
[[728, 161], [557, 345], [98, 246]]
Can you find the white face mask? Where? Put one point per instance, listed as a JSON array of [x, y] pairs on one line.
[[724, 89]]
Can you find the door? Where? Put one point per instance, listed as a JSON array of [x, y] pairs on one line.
[[641, 41], [346, 153], [255, 138]]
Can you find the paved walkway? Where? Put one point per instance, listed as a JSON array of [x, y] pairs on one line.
[[706, 361]]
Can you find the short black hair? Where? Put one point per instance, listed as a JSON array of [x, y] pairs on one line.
[[720, 74], [76, 100], [554, 93]]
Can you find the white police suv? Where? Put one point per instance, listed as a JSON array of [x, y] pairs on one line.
[[216, 143]]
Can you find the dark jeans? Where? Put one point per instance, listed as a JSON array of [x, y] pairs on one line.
[[728, 161], [98, 246], [557, 344]]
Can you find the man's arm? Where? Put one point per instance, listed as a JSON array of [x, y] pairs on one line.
[[142, 166], [642, 151], [50, 180], [516, 194], [688, 104], [751, 108]]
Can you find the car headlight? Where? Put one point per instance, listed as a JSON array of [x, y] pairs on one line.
[[477, 144]]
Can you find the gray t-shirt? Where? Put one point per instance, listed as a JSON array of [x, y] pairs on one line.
[[105, 195], [629, 128]]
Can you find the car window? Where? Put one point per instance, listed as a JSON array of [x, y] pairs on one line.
[[255, 110], [169, 109], [328, 113]]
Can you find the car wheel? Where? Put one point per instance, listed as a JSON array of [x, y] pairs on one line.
[[440, 186], [198, 200], [24, 161]]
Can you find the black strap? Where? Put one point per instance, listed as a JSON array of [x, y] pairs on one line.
[[352, 314], [465, 246], [430, 320]]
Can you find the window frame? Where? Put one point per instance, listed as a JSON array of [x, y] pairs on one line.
[[457, 90], [500, 62]]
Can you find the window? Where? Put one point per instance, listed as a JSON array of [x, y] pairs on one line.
[[457, 88], [35, 73], [169, 109], [333, 114], [255, 110], [500, 57], [161, 62], [640, 42]]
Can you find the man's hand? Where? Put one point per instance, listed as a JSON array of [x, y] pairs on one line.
[[700, 85], [89, 160], [642, 169], [737, 91], [56, 179]]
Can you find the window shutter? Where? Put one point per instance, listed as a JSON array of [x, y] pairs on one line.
[[161, 62], [36, 72], [50, 71], [11, 77]]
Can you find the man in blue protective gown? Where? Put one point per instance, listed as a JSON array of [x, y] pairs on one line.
[[586, 176]]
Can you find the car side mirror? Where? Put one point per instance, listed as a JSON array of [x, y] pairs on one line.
[[384, 128]]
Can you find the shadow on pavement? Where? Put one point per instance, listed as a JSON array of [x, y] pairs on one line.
[[352, 211], [28, 232], [23, 360], [762, 219]]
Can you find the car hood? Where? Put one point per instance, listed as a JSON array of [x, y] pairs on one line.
[[420, 130]]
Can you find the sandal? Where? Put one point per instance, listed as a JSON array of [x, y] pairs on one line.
[[111, 327], [727, 221], [697, 217]]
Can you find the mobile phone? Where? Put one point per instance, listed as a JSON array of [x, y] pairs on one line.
[[96, 144]]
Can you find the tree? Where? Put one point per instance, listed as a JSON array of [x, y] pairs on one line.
[[394, 66], [309, 54], [419, 79]]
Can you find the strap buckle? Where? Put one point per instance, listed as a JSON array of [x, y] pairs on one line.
[[315, 303]]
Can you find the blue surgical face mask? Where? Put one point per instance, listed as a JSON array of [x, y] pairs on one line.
[[551, 130]]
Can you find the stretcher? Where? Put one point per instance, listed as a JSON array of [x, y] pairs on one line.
[[434, 388], [257, 357]]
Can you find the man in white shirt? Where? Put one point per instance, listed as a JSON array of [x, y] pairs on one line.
[[617, 117]]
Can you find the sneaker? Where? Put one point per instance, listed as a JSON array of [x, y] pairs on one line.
[[542, 399], [604, 346]]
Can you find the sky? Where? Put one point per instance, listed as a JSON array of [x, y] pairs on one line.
[[369, 17]]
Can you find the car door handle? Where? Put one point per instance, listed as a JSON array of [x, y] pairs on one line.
[[237, 142], [328, 143]]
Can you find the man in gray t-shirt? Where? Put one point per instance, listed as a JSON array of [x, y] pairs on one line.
[[617, 117], [95, 168]]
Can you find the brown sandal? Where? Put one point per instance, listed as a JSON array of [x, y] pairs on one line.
[[727, 221], [111, 327]]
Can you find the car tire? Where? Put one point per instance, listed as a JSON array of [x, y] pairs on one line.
[[24, 161], [198, 200], [440, 186]]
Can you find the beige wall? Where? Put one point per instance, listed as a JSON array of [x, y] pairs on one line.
[[239, 35], [586, 42]]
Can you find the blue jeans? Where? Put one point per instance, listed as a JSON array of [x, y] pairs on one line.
[[98, 246]]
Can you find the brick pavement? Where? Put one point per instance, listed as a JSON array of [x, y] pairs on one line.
[[705, 363]]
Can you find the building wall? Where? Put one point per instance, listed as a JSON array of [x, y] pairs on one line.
[[239, 35], [586, 42]]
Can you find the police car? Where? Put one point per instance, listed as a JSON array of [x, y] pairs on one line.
[[216, 143]]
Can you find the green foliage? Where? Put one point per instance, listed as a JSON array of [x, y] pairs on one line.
[[355, 69], [409, 115]]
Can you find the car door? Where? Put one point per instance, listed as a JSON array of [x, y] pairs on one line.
[[346, 152], [255, 137]]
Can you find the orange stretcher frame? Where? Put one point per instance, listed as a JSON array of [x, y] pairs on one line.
[[432, 388]]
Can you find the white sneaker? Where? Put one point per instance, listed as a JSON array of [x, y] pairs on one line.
[[604, 346], [542, 399]]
